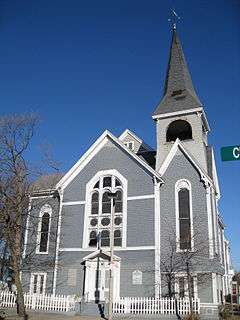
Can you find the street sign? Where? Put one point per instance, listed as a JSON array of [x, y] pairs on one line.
[[230, 153]]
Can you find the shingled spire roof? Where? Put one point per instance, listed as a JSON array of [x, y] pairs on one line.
[[179, 93]]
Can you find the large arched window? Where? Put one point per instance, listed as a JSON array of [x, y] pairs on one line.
[[184, 215], [180, 129], [99, 218], [44, 229]]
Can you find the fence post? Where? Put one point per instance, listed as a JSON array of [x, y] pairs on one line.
[[67, 304], [127, 305], [33, 304]]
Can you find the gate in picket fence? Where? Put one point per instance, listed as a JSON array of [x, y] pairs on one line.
[[39, 302], [146, 305]]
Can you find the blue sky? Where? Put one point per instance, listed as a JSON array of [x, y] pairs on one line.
[[87, 66]]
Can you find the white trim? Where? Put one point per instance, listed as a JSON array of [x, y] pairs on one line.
[[130, 133], [215, 220], [214, 288], [180, 184], [215, 176], [147, 196], [44, 274], [176, 113], [115, 249], [57, 244], [89, 188], [42, 197], [210, 223], [46, 208], [73, 203], [96, 253], [26, 231], [92, 151], [178, 145], [157, 239]]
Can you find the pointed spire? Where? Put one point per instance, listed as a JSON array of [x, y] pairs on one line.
[[179, 93]]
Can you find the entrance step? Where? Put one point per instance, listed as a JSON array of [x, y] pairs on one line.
[[92, 309]]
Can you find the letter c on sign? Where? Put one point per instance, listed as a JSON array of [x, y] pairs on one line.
[[236, 152]]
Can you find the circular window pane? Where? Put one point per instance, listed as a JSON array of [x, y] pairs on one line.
[[105, 221], [93, 222], [118, 221]]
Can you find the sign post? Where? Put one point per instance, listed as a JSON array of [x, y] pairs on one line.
[[230, 153]]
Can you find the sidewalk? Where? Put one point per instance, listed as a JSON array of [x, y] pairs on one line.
[[11, 315]]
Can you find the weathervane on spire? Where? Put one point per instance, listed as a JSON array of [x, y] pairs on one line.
[[174, 18]]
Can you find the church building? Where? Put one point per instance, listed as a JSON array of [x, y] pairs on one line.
[[168, 234]]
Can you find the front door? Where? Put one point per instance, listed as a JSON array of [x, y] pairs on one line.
[[102, 281], [97, 279]]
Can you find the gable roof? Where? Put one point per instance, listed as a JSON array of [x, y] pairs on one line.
[[179, 146], [46, 182], [93, 150], [179, 93], [45, 185], [130, 133]]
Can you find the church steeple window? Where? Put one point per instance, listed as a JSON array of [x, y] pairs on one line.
[[180, 129]]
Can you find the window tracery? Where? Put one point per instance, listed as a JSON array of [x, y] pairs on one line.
[[100, 215]]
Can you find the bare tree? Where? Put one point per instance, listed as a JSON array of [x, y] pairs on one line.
[[15, 180], [16, 184], [185, 256]]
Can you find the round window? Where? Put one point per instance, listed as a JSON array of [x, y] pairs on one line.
[[105, 221], [93, 222], [118, 221]]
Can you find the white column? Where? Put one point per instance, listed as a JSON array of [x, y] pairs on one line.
[[58, 243], [210, 222], [157, 239], [214, 287]]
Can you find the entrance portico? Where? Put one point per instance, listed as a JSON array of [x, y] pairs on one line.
[[97, 271]]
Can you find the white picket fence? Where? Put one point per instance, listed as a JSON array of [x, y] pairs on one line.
[[39, 302], [154, 306]]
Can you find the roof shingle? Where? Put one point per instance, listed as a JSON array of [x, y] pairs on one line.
[[179, 93]]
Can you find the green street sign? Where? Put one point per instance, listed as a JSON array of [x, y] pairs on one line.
[[230, 153]]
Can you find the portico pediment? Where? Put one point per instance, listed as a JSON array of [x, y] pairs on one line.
[[105, 255]]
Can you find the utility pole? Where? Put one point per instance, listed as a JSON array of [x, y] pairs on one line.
[[112, 196]]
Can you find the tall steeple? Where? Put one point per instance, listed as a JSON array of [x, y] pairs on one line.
[[179, 93], [180, 113]]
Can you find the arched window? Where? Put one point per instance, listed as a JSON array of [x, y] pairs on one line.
[[44, 229], [95, 199], [101, 208], [180, 129], [184, 215]]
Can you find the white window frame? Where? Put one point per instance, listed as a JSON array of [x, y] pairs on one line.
[[44, 209], [38, 274], [184, 275], [183, 184], [127, 144], [89, 190]]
